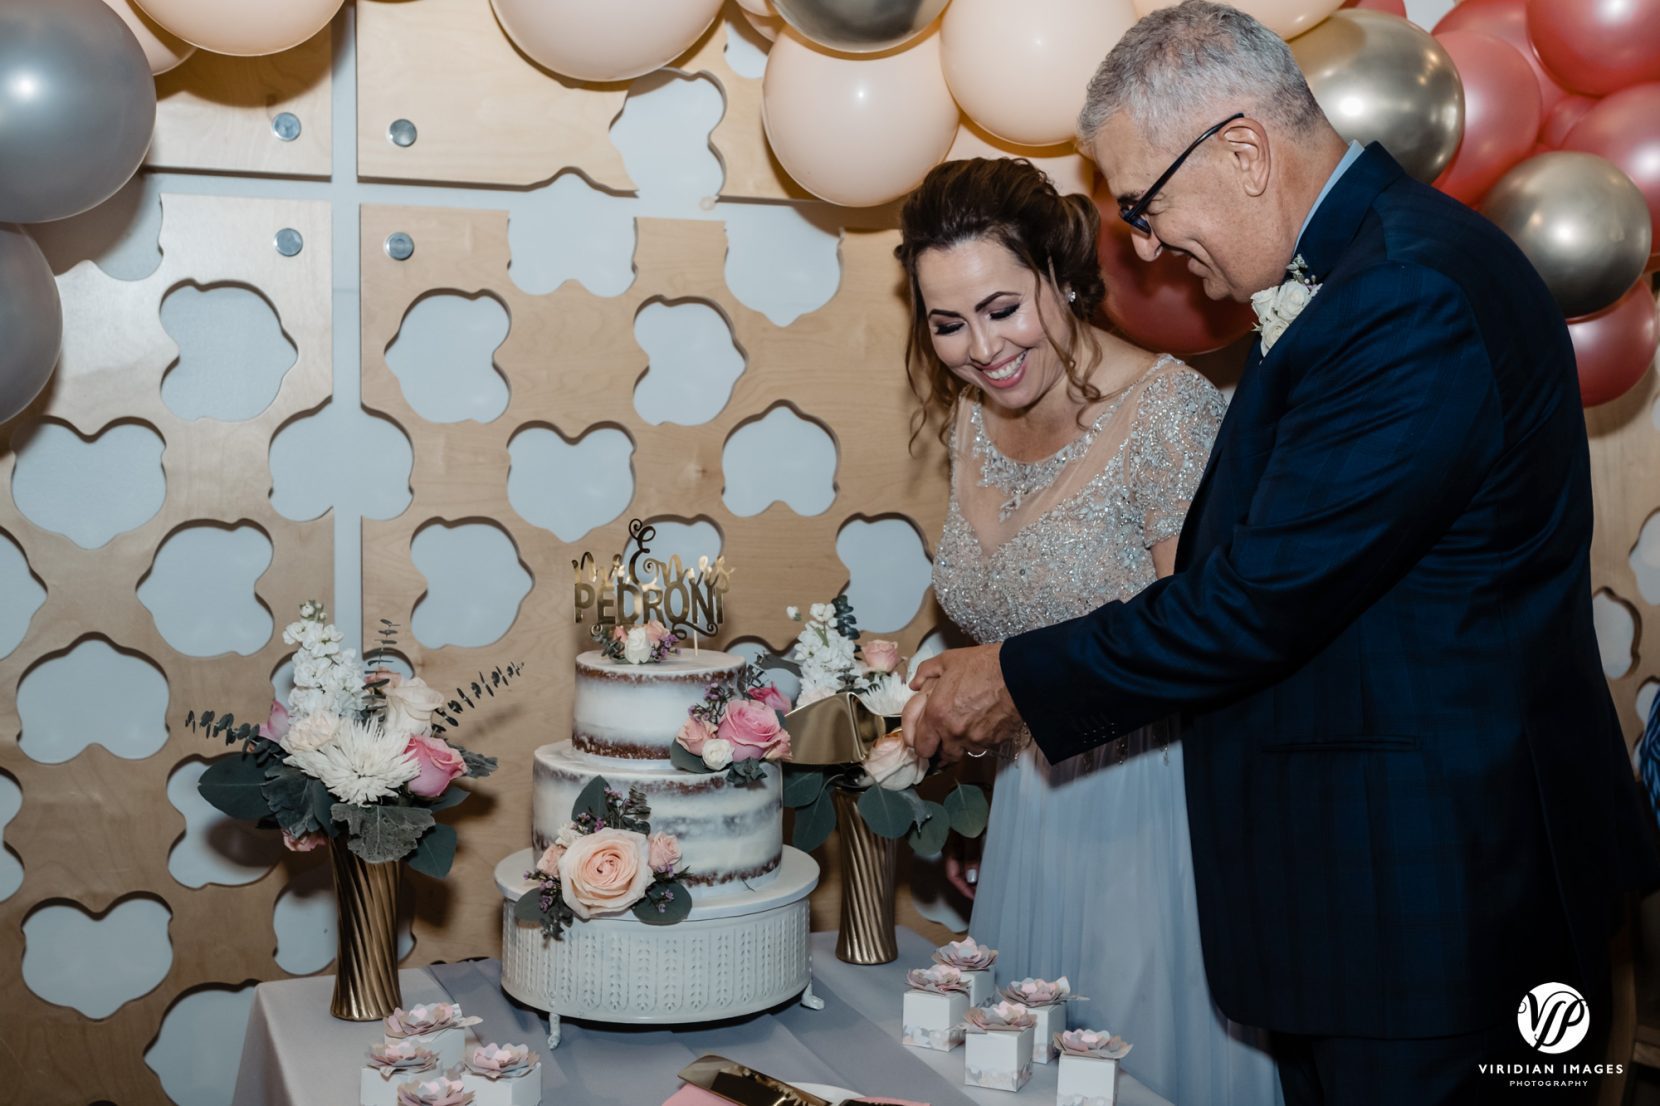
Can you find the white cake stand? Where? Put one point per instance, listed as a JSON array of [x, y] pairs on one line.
[[739, 951]]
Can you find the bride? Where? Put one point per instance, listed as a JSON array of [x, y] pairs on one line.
[[1073, 457]]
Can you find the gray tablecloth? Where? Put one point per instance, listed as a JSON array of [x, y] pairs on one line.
[[296, 1055]]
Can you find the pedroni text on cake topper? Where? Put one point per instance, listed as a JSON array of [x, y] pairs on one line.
[[645, 589]]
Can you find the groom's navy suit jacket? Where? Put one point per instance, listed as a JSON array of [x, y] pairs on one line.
[[1403, 766]]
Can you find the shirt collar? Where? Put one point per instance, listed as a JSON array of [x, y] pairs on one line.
[[1353, 152]]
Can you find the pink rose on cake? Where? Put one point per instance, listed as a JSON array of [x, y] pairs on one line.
[[663, 853], [753, 731], [693, 733], [439, 764], [880, 656], [548, 863], [770, 697], [605, 872]]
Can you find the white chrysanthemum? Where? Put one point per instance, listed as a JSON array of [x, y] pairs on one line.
[[886, 695], [822, 612], [364, 763]]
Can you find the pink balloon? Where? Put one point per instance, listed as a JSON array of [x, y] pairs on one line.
[[857, 130], [1393, 7], [1616, 346], [1625, 129], [1506, 19], [1501, 113], [1563, 117], [1159, 304], [1597, 46]]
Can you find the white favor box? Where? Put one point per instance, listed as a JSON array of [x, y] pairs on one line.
[[526, 1090], [932, 1020], [375, 1091], [1086, 1081], [446, 1044], [999, 1060], [1050, 1021], [981, 987]]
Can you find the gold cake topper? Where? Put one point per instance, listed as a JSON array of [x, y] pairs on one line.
[[668, 592]]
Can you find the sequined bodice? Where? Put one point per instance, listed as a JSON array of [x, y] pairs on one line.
[[1082, 541]]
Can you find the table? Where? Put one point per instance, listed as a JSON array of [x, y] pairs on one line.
[[295, 1054]]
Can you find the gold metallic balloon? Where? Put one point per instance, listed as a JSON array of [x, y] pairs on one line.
[[859, 26], [1379, 78], [1581, 222]]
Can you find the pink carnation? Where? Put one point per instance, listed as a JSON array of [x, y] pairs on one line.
[[663, 853], [753, 731], [275, 726], [548, 865]]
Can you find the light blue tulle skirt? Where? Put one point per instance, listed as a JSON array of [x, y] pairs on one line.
[[1087, 873]]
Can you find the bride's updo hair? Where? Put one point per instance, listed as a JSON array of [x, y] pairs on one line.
[[1011, 202]]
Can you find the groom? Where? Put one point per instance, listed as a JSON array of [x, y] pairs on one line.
[[1409, 799]]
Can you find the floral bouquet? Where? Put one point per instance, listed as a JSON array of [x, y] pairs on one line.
[[647, 644], [606, 861], [868, 679], [358, 752]]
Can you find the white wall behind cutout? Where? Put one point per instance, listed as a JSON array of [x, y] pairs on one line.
[[746, 48], [888, 572], [88, 490], [215, 848], [128, 715], [11, 869], [20, 594], [570, 487], [120, 236], [1427, 13], [782, 260], [96, 965], [233, 353], [344, 459], [475, 584], [199, 1048], [570, 230], [686, 540], [780, 457], [1645, 560], [200, 590], [663, 136], [305, 918], [1616, 633], [693, 363], [444, 357]]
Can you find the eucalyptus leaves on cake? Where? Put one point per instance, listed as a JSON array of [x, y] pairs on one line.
[[845, 735], [358, 752], [604, 863]]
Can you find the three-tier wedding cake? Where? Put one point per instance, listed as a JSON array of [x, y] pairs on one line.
[[743, 946]]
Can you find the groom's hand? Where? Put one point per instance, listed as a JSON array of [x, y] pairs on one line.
[[964, 706]]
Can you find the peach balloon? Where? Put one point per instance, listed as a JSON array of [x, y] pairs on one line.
[[762, 8], [162, 49], [1069, 170], [242, 28], [1020, 71], [1286, 18], [767, 26], [857, 130], [605, 41]]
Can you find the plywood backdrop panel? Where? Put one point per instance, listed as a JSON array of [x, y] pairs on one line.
[[98, 828]]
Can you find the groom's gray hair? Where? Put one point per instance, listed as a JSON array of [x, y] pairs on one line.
[[1177, 62]]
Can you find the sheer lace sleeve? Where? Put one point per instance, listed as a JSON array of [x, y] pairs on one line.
[[1171, 441]]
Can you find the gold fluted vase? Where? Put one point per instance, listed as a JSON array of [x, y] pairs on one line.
[[869, 865], [366, 950]]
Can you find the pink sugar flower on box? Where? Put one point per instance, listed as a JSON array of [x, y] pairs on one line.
[[442, 1091], [1088, 1074], [389, 1063], [975, 961], [935, 1005], [999, 1046], [1047, 1001], [440, 1027], [503, 1075]]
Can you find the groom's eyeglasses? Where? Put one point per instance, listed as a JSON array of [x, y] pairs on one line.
[[1135, 214]]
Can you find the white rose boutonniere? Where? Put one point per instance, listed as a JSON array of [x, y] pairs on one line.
[[1278, 307]]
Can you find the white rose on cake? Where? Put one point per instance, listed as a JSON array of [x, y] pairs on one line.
[[637, 646]]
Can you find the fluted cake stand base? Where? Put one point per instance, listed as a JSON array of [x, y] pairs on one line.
[[738, 952]]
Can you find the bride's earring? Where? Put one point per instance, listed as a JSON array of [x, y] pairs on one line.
[[1071, 295]]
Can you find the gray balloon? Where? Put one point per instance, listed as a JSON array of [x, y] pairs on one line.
[[77, 107], [859, 26], [1581, 222], [31, 321]]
